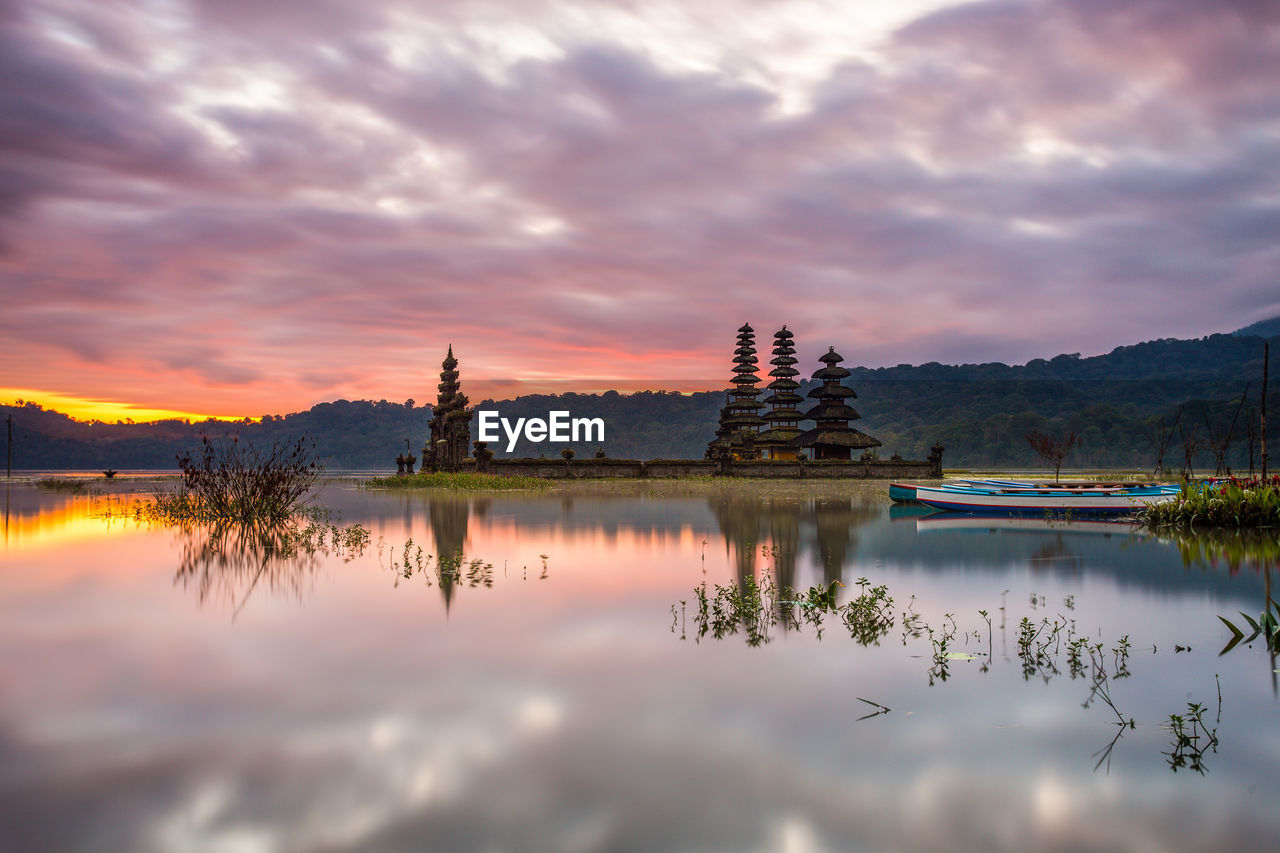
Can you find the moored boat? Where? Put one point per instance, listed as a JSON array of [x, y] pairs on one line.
[[1106, 500], [902, 492]]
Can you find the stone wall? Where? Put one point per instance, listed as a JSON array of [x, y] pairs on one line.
[[591, 469]]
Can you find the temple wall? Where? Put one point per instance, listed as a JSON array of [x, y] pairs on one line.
[[590, 469]]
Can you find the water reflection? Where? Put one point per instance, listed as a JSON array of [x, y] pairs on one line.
[[448, 515], [784, 528], [231, 561], [557, 716], [1236, 549]]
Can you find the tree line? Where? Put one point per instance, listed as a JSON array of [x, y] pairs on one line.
[[1185, 402]]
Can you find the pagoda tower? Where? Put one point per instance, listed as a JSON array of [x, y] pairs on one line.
[[740, 415], [450, 422], [783, 416], [833, 438]]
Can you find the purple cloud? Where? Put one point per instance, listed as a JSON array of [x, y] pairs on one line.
[[260, 196]]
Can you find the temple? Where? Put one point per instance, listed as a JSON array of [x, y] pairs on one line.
[[833, 438], [783, 416], [739, 419], [450, 422], [748, 442]]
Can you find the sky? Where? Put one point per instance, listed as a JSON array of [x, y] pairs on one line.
[[235, 207]]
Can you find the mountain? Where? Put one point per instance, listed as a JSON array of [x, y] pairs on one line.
[[1123, 405], [1261, 329]]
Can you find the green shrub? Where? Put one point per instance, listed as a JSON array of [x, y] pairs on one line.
[[1250, 502]]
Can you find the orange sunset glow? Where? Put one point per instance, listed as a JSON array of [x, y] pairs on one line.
[[108, 411]]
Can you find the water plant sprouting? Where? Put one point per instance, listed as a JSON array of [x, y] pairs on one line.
[[1191, 738], [1266, 626], [446, 571]]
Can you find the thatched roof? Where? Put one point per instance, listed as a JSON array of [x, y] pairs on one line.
[[852, 438]]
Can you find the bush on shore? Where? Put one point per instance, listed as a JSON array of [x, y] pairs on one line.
[[1236, 502]]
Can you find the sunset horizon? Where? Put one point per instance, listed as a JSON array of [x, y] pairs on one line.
[[479, 388]]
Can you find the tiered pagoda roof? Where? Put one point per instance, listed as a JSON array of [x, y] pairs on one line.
[[740, 416], [832, 437], [450, 424], [783, 415]]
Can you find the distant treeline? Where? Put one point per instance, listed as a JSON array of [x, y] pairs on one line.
[[1123, 406]]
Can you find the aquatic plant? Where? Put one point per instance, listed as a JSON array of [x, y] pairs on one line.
[[749, 606], [460, 480], [1191, 737], [1236, 502], [446, 570], [869, 616], [1266, 626], [229, 481]]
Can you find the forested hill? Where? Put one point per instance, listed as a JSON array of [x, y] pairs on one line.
[[1121, 405], [1214, 357]]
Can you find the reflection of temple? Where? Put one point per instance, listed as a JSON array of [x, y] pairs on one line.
[[739, 519], [834, 520], [782, 519], [780, 526], [448, 518]]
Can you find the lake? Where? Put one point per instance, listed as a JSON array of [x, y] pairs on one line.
[[549, 685]]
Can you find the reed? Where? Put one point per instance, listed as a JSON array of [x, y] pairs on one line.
[[226, 481]]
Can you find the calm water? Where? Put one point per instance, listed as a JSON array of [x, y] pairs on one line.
[[163, 690]]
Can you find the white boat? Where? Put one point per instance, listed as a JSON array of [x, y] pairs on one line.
[[1024, 500]]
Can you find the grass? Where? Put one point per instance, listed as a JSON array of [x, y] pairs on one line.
[[1234, 503], [460, 480], [59, 484]]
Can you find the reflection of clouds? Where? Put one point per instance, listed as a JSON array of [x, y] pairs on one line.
[[518, 770], [335, 784]]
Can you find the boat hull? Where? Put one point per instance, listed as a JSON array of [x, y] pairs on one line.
[[901, 492], [1039, 502]]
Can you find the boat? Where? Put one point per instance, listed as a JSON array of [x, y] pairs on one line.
[[1040, 500], [902, 492], [906, 492]]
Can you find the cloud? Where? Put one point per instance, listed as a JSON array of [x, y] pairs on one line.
[[593, 188]]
